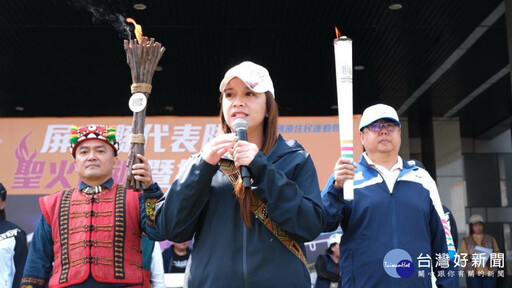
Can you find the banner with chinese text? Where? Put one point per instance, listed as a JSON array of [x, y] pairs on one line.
[[37, 159]]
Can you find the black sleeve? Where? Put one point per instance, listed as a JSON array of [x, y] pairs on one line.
[[322, 272], [20, 255]]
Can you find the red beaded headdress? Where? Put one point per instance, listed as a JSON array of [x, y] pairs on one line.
[[89, 132]]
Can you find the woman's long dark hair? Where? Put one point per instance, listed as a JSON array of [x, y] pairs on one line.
[[329, 249], [471, 232], [245, 196]]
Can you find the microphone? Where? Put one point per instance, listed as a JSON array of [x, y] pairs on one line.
[[240, 126]]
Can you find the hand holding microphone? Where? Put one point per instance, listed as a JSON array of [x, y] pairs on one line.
[[240, 126]]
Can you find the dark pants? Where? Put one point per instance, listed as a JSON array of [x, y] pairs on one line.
[[481, 282]]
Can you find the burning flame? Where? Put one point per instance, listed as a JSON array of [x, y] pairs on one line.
[[138, 28], [338, 33]]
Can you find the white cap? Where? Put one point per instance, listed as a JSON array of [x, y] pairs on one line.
[[377, 112], [476, 219], [255, 76], [334, 238]]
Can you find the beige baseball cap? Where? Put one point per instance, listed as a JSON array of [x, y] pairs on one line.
[[476, 219]]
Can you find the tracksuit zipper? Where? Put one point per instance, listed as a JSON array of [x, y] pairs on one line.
[[244, 254]]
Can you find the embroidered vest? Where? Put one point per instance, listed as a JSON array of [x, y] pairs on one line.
[[470, 244], [94, 234]]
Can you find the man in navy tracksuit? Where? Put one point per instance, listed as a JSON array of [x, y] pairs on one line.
[[393, 233]]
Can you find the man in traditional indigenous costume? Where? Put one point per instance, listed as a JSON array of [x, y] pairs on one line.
[[90, 236]]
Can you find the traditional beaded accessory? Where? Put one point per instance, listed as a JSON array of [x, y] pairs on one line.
[[89, 132]]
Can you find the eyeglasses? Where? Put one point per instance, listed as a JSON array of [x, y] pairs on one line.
[[377, 127]]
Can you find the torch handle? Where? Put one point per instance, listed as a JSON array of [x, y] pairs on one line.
[[347, 152], [348, 190]]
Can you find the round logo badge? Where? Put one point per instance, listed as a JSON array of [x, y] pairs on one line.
[[137, 102], [398, 264]]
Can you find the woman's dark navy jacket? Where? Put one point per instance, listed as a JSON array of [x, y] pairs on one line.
[[226, 253]]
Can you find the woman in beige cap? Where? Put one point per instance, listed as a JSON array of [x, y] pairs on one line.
[[482, 275]]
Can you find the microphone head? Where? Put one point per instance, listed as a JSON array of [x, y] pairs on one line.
[[240, 123]]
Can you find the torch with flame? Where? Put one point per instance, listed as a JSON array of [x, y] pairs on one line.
[[137, 30], [142, 55], [343, 63]]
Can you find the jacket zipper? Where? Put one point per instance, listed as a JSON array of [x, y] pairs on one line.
[[393, 207], [244, 254], [393, 219]]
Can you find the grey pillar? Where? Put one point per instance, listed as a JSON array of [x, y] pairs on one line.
[[449, 167]]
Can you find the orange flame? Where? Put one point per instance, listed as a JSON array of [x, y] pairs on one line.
[[138, 28], [338, 33]]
